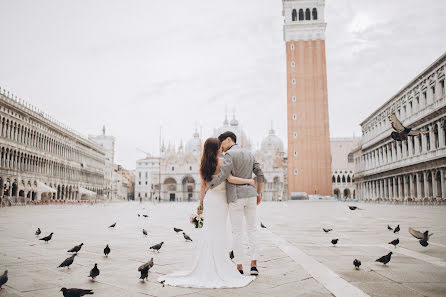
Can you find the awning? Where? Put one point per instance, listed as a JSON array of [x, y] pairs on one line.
[[42, 188], [83, 191]]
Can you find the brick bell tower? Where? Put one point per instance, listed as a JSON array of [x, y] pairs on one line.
[[309, 156]]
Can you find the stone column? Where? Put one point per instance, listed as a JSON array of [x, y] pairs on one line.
[[443, 184], [432, 136], [426, 185], [411, 186], [441, 134], [424, 143], [434, 184], [417, 145], [404, 154], [406, 187], [385, 188], [400, 189], [419, 185]]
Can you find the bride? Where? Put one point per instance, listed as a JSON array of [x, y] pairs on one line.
[[212, 267]]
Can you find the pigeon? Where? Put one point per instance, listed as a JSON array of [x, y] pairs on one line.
[[261, 225], [157, 247], [231, 255], [397, 229], [67, 262], [76, 248], [144, 215], [38, 232], [389, 228], [47, 238], [112, 225], [357, 263], [401, 132], [354, 208], [187, 237], [73, 292], [148, 264], [3, 278], [144, 231], [395, 242], [177, 229], [162, 282], [107, 250], [423, 237], [327, 230], [334, 241], [139, 215], [94, 271], [384, 259]]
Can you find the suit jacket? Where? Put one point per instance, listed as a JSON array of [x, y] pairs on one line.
[[241, 163]]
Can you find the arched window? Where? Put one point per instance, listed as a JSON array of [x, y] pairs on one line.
[[338, 179], [294, 15], [333, 179], [348, 178], [301, 14], [314, 14], [307, 14], [343, 178]]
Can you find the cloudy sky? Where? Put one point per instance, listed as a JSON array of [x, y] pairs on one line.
[[134, 66]]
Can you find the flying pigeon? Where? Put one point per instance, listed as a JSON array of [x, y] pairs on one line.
[[334, 241], [144, 215], [395, 242], [67, 262], [401, 133], [423, 237], [261, 225], [397, 229], [157, 247], [47, 238], [107, 250], [357, 263], [389, 228], [177, 229], [384, 259], [3, 278], [144, 231], [139, 215], [38, 231], [327, 230], [231, 255], [187, 237], [73, 292], [94, 272], [75, 249], [112, 225], [354, 208]]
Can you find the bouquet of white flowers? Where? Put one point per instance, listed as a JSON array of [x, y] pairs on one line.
[[197, 220]]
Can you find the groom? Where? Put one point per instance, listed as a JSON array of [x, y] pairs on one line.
[[242, 199]]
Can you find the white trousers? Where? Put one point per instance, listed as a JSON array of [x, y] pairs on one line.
[[246, 207]]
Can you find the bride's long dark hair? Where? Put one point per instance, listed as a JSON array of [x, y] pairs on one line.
[[209, 158]]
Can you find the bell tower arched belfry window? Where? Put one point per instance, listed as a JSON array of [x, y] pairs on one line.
[[307, 14], [301, 14], [314, 14], [294, 15]]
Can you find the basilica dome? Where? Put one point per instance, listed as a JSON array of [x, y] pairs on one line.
[[234, 127], [193, 146], [272, 143]]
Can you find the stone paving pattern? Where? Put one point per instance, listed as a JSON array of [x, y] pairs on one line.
[[413, 270]]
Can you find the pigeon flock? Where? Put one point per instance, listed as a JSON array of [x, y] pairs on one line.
[[422, 236], [144, 269]]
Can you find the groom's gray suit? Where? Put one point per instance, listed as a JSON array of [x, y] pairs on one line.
[[242, 199]]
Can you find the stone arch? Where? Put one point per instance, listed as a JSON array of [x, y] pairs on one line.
[[301, 14], [170, 188], [314, 13], [343, 178], [336, 193], [188, 184], [294, 15], [307, 14], [338, 179], [347, 193]]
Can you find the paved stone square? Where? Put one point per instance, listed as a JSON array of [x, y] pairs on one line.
[[296, 256]]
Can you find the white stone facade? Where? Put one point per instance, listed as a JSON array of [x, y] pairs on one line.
[[412, 170], [175, 175], [304, 20], [42, 160], [343, 166]]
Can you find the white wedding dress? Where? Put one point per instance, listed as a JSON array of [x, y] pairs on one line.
[[212, 267]]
